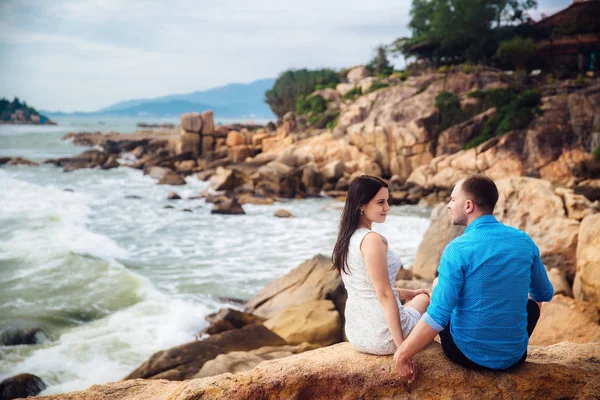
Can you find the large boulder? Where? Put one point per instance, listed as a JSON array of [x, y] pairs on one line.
[[311, 280], [527, 204], [191, 122], [184, 361], [239, 361], [227, 206], [561, 371], [566, 319], [228, 179], [227, 319], [208, 123], [314, 321], [22, 385], [531, 205], [190, 143], [440, 232], [588, 259], [357, 73], [454, 138]]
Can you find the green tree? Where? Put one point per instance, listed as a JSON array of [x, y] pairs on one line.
[[380, 65], [517, 51], [454, 31], [294, 83]]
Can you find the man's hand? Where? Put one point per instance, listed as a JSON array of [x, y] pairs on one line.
[[407, 368], [409, 294]]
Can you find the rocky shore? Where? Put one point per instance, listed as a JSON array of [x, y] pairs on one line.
[[287, 342]]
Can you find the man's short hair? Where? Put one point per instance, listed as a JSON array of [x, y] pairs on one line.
[[482, 191]]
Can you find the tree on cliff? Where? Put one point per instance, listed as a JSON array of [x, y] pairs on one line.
[[294, 83], [454, 31], [380, 65]]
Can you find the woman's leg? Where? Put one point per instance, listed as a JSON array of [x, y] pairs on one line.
[[420, 303]]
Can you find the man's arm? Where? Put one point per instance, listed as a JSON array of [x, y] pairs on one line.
[[540, 288], [443, 301], [421, 336]]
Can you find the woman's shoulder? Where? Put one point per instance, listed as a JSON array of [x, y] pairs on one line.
[[372, 238]]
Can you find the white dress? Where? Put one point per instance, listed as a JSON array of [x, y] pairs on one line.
[[366, 328]]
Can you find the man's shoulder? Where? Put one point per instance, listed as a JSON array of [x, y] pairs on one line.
[[517, 233]]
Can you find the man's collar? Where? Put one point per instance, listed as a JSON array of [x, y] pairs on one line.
[[484, 219]]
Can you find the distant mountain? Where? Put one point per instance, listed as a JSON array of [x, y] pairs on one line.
[[233, 100]]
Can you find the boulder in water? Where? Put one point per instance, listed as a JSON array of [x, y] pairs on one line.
[[22, 385]]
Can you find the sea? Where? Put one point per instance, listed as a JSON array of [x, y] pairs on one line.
[[111, 274]]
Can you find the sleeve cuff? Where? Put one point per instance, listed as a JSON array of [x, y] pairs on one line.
[[434, 325]]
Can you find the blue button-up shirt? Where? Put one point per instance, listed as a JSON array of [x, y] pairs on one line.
[[484, 278]]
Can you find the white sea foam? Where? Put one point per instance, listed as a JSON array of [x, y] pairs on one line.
[[116, 278]]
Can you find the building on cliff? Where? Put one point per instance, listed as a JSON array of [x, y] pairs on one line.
[[572, 38]]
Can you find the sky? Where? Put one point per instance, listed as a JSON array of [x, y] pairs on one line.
[[83, 55]]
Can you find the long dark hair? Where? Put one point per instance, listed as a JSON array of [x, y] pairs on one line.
[[362, 189]]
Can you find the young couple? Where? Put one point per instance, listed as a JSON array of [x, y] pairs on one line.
[[484, 303]]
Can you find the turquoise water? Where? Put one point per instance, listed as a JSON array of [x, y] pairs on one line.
[[113, 278]]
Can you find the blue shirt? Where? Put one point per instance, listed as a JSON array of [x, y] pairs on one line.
[[484, 278]]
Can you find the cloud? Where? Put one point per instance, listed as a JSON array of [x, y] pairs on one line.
[[86, 54]]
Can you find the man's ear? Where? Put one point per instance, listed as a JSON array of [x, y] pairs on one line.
[[469, 206]]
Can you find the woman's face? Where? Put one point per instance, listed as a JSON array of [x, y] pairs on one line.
[[376, 210]]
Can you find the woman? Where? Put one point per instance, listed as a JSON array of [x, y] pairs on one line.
[[376, 321]]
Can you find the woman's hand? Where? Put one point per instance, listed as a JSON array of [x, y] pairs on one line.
[[406, 368]]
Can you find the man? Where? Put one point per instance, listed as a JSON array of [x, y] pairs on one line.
[[480, 305]]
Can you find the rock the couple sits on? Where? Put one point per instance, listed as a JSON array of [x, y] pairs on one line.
[[484, 303]]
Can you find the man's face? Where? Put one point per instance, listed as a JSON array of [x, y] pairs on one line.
[[457, 205]]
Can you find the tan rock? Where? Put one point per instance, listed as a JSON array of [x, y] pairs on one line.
[[366, 83], [172, 178], [578, 206], [563, 169], [21, 161], [314, 321], [184, 361], [559, 282], [438, 235], [311, 176], [208, 123], [166, 176], [239, 361], [185, 167], [564, 370], [343, 88], [282, 213], [566, 319], [190, 142], [227, 319], [588, 258], [531, 205], [249, 199], [227, 179], [356, 74], [311, 280], [454, 138], [234, 138], [239, 153], [258, 138], [208, 144], [191, 122], [227, 206], [333, 171]]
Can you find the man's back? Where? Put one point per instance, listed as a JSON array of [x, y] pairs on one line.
[[485, 276]]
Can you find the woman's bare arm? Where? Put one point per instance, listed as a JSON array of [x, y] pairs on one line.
[[374, 251]]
